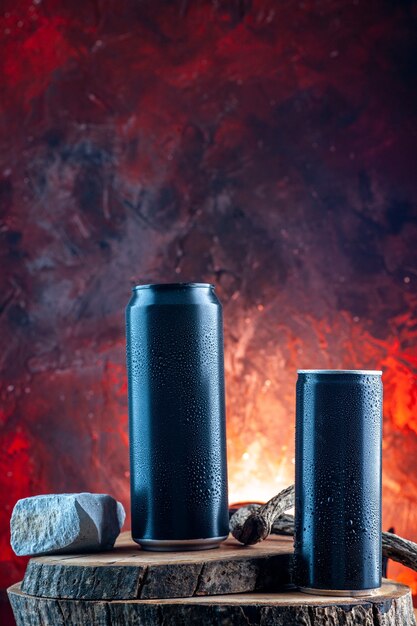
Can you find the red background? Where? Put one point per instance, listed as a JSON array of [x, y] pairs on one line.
[[266, 146]]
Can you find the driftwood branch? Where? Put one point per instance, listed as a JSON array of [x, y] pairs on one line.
[[253, 523], [401, 550], [283, 525]]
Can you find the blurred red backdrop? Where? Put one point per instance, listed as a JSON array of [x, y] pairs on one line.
[[266, 147]]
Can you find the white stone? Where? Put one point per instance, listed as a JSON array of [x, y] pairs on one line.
[[65, 523]]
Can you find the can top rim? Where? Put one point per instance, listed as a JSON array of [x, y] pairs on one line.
[[367, 372], [162, 286]]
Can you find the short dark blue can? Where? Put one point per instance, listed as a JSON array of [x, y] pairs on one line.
[[338, 482], [177, 417]]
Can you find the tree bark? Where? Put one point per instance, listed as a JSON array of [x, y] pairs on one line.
[[391, 607]]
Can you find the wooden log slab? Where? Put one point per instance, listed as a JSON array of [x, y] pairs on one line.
[[127, 572], [391, 606]]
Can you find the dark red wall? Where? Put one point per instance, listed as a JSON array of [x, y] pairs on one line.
[[269, 147]]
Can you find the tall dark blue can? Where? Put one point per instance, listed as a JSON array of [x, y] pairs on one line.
[[338, 481], [177, 417]]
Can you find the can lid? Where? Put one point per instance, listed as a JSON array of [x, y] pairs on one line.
[[162, 286], [366, 372]]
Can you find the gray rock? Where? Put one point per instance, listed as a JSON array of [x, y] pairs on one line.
[[65, 523]]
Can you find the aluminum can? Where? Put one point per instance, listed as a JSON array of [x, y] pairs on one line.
[[177, 433], [338, 482]]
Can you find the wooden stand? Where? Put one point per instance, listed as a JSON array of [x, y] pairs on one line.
[[130, 586], [129, 573], [392, 607]]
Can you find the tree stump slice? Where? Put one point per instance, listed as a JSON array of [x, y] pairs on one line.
[[392, 606], [234, 584], [129, 573]]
